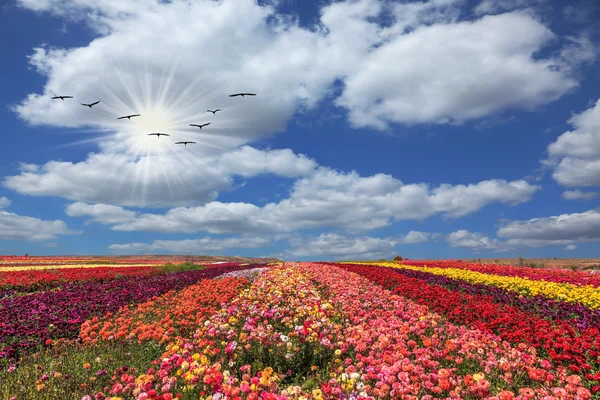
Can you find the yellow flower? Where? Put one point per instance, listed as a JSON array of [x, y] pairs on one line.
[[338, 352], [572, 293], [478, 376]]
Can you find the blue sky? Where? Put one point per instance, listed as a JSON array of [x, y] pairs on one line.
[[435, 129]]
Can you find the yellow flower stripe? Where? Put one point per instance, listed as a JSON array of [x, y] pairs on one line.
[[586, 295], [40, 267]]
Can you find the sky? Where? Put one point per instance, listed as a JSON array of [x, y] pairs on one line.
[[429, 129]]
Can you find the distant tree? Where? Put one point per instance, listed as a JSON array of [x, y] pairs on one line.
[[398, 258], [26, 255]]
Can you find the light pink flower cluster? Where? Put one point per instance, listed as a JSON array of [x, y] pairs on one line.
[[249, 274]]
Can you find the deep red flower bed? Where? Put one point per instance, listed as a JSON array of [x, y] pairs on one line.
[[577, 349], [32, 280], [550, 275]]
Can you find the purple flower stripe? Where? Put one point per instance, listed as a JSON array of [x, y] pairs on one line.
[[28, 321], [577, 314]]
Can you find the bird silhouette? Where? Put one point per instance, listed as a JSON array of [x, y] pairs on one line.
[[90, 105], [62, 97], [129, 116], [158, 135], [184, 143], [242, 94], [200, 126], [214, 111]]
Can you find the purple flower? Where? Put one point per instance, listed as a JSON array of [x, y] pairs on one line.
[[27, 321]]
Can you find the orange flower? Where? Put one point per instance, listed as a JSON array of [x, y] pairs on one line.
[[506, 395]]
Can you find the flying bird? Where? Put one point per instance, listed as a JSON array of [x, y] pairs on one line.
[[62, 97], [90, 105], [214, 111], [200, 126], [242, 94], [129, 116], [184, 143], [158, 135]]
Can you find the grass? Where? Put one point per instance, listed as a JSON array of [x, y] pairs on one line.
[[66, 376], [186, 266]]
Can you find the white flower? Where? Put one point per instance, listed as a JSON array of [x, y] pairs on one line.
[[284, 338]]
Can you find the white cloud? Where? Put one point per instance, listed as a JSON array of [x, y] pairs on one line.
[[190, 246], [480, 71], [497, 6], [579, 49], [329, 198], [578, 195], [414, 237], [563, 229], [411, 15], [342, 247], [460, 200], [570, 247], [101, 213], [4, 202], [248, 162], [475, 241], [575, 155], [17, 227], [167, 180]]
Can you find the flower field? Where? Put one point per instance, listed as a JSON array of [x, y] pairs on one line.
[[416, 330]]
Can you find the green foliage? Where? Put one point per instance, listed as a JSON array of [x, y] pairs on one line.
[[64, 368], [186, 266]]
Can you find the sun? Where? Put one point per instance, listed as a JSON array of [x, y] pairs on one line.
[[151, 120]]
